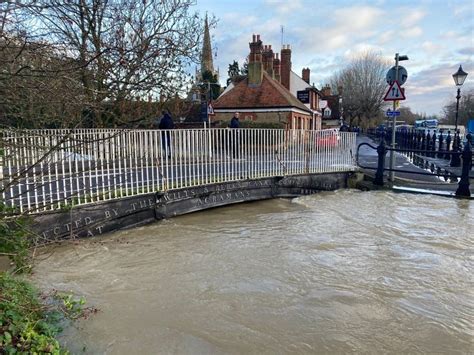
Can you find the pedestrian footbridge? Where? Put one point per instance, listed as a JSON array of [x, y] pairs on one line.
[[84, 182]]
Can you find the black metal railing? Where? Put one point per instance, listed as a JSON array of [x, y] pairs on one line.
[[434, 143], [418, 146]]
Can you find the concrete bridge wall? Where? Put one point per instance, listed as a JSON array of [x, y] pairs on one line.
[[107, 216]]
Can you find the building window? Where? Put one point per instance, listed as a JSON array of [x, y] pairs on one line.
[[327, 112]]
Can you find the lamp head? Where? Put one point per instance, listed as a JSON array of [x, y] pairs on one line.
[[459, 76]]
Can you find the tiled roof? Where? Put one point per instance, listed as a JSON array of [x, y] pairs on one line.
[[270, 94]]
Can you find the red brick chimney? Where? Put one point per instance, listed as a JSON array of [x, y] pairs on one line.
[[277, 68], [305, 74], [326, 90], [285, 66], [267, 59], [255, 67]]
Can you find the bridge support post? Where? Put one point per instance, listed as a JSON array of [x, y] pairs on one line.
[[463, 188], [381, 151]]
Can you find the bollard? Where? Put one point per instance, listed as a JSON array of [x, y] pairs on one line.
[[433, 145], [440, 146], [463, 188], [428, 144], [381, 151], [455, 157], [411, 143], [448, 146]]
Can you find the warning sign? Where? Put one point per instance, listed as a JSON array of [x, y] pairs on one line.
[[394, 93]]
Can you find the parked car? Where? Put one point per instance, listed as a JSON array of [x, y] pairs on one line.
[[328, 138]]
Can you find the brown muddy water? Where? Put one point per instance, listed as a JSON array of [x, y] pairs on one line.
[[336, 272]]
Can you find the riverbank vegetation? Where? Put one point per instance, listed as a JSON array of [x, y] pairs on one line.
[[30, 320], [25, 327]]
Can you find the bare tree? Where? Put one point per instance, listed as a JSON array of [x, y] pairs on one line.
[[115, 50], [466, 109], [36, 85], [125, 48], [363, 83]]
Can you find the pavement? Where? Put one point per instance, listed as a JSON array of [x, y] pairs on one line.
[[409, 180]]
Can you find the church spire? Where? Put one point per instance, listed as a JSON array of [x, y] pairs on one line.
[[206, 55]]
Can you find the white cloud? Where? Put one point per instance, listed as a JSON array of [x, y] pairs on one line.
[[284, 7], [235, 17], [356, 18], [463, 10], [410, 17], [348, 25], [431, 48], [385, 37], [411, 32], [447, 35]]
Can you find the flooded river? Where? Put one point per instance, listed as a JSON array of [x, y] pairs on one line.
[[336, 272]]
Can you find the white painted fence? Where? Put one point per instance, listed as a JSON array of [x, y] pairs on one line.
[[44, 170]]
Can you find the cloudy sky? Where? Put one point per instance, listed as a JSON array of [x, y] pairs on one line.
[[437, 36]]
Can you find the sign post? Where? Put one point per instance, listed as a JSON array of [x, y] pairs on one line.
[[395, 93]]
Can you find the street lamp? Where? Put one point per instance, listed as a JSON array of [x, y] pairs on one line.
[[459, 78]]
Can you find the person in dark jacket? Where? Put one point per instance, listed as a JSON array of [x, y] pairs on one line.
[[234, 122], [166, 123], [234, 146]]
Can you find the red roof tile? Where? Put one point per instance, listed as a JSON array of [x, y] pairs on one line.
[[270, 94]]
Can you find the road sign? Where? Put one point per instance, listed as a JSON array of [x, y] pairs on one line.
[[391, 113], [392, 73], [394, 93]]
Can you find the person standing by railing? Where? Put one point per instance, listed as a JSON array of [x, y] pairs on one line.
[[166, 124], [234, 123]]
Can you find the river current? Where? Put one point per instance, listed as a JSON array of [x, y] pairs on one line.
[[336, 272]]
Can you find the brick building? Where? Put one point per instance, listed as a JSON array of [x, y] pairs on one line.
[[331, 107], [268, 93]]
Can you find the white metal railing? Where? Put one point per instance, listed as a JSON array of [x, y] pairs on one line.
[[48, 169]]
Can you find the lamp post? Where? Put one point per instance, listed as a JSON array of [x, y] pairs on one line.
[[398, 58], [459, 78]]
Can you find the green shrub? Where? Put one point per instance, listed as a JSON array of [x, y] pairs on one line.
[[25, 327], [29, 321]]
